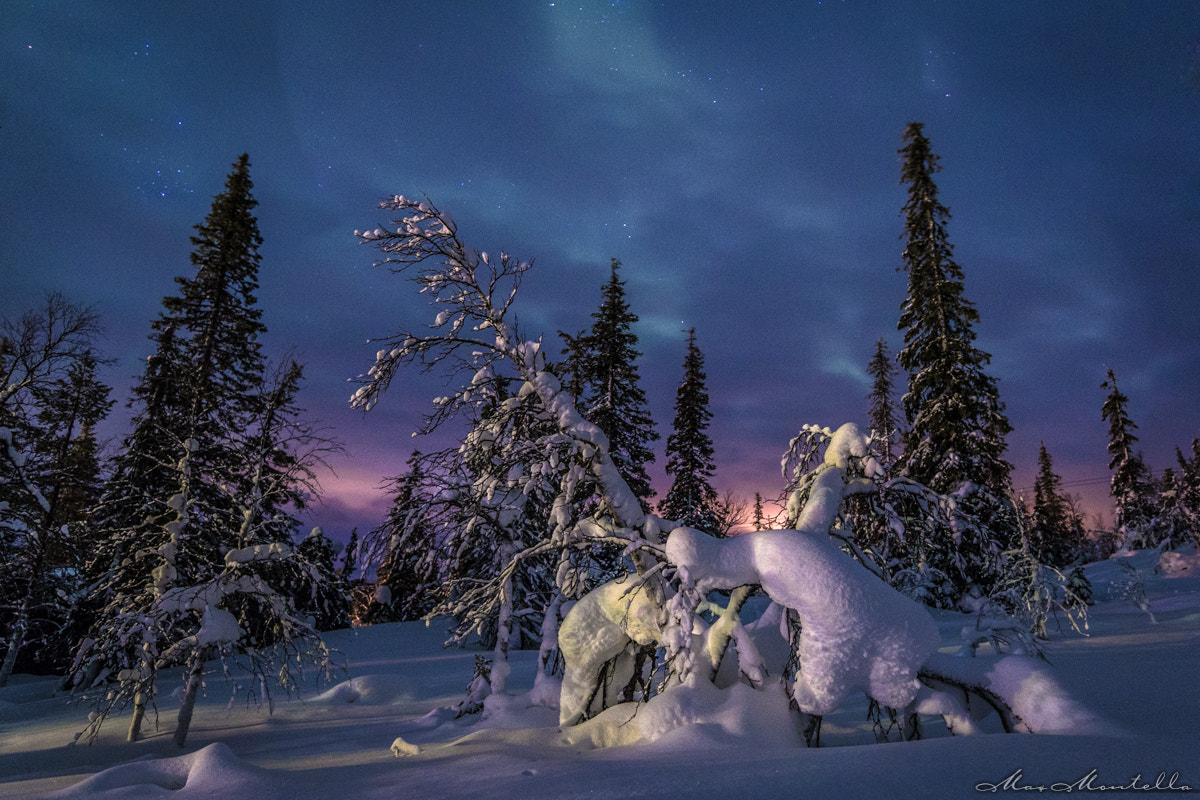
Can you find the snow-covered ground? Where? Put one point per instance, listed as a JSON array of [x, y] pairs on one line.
[[387, 732]]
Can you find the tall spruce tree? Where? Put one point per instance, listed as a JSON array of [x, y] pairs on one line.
[[1131, 486], [196, 391], [955, 440], [613, 397], [956, 419], [196, 516], [691, 500]]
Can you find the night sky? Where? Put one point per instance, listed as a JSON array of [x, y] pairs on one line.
[[741, 162]]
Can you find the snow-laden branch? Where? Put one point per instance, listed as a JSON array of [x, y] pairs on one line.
[[474, 293]]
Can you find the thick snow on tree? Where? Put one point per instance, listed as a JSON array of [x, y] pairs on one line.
[[551, 486], [856, 631]]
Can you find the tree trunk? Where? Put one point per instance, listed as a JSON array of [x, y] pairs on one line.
[[723, 629], [500, 666], [139, 713], [191, 689], [15, 640]]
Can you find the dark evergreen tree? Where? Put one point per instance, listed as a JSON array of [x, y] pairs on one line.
[[613, 397], [199, 514], [408, 584], [691, 500], [956, 420], [1189, 489], [1053, 536], [1172, 527], [350, 556], [1131, 486], [955, 440], [881, 413], [321, 592], [760, 520]]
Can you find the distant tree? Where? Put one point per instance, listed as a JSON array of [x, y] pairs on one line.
[[50, 402], [955, 441], [691, 500], [881, 413], [606, 361], [350, 556], [1053, 537], [405, 547], [322, 593], [1131, 485], [759, 518], [1188, 482]]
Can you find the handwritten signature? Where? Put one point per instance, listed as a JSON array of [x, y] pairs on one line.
[[1088, 783]]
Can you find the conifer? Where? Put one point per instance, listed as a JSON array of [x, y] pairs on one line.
[[691, 500]]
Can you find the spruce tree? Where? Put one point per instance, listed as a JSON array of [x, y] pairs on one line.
[[1130, 487], [1189, 489], [1052, 535], [405, 547], [955, 417], [197, 518], [613, 397], [760, 519], [955, 440], [691, 500], [882, 415]]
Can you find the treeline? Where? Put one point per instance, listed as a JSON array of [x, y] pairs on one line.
[[186, 545], [471, 536]]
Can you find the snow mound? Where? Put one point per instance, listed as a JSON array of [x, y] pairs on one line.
[[1174, 564], [213, 771], [1037, 698], [368, 690], [402, 748], [696, 713]]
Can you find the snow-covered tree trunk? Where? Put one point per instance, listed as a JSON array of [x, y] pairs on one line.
[[16, 638], [191, 690], [135, 721], [504, 632]]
